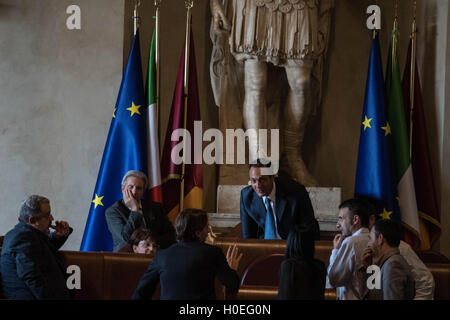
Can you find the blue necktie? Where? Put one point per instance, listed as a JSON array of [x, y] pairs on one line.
[[269, 229]]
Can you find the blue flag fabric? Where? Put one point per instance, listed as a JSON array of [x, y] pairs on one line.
[[375, 177], [125, 149]]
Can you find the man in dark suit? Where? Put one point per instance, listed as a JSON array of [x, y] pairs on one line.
[[271, 205], [31, 266], [133, 212], [188, 269]]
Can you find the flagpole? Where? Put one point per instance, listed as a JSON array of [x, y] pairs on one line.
[[394, 35], [412, 78], [157, 62], [136, 17], [189, 4], [374, 31]]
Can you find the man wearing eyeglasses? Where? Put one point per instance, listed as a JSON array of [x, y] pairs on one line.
[[271, 205], [31, 266]]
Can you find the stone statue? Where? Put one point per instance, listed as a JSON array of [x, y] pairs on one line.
[[249, 38]]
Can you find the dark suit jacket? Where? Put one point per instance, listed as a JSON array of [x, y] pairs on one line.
[[187, 271], [302, 280], [31, 266], [122, 222], [292, 207]]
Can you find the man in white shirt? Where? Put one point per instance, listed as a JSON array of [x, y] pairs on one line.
[[345, 259]]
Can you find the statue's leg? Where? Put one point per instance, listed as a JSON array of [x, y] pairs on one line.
[[294, 123], [254, 109]]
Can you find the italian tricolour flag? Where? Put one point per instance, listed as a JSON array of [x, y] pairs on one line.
[[154, 170], [396, 115]]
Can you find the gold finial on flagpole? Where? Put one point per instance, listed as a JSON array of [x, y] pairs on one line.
[[136, 18], [412, 77], [188, 4]]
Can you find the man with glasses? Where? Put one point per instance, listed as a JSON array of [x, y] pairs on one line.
[[271, 205], [31, 266]]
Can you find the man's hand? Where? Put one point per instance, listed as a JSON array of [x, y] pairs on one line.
[[221, 23], [232, 257], [337, 241], [61, 228], [367, 257], [130, 201]]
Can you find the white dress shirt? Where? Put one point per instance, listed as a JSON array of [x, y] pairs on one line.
[[344, 265], [424, 281]]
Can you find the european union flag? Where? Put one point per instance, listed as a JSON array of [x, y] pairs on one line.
[[125, 150], [375, 172]]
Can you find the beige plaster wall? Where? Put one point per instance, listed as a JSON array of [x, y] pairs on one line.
[[58, 88]]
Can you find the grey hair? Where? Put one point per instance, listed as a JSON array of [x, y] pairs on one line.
[[137, 174], [31, 207]]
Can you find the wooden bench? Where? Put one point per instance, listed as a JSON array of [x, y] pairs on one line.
[[106, 275]]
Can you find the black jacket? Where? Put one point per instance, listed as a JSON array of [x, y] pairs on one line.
[[122, 222], [292, 207], [187, 271], [31, 266]]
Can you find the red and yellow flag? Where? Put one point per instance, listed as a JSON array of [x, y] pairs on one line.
[[170, 171]]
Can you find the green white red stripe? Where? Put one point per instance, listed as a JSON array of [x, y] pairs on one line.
[[154, 170], [396, 115]]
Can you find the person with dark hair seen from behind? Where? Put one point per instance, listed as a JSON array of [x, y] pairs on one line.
[[142, 241], [345, 259], [187, 270], [301, 276], [271, 205], [31, 266], [397, 282], [132, 212], [423, 278]]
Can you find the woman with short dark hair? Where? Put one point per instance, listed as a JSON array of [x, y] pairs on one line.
[[187, 270], [142, 241], [301, 276]]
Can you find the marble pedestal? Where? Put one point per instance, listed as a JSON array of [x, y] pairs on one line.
[[325, 202]]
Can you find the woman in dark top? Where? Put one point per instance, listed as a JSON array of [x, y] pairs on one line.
[[301, 276]]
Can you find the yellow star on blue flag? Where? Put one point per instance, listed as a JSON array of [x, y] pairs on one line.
[[387, 129], [134, 109], [386, 214], [366, 123], [98, 200]]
